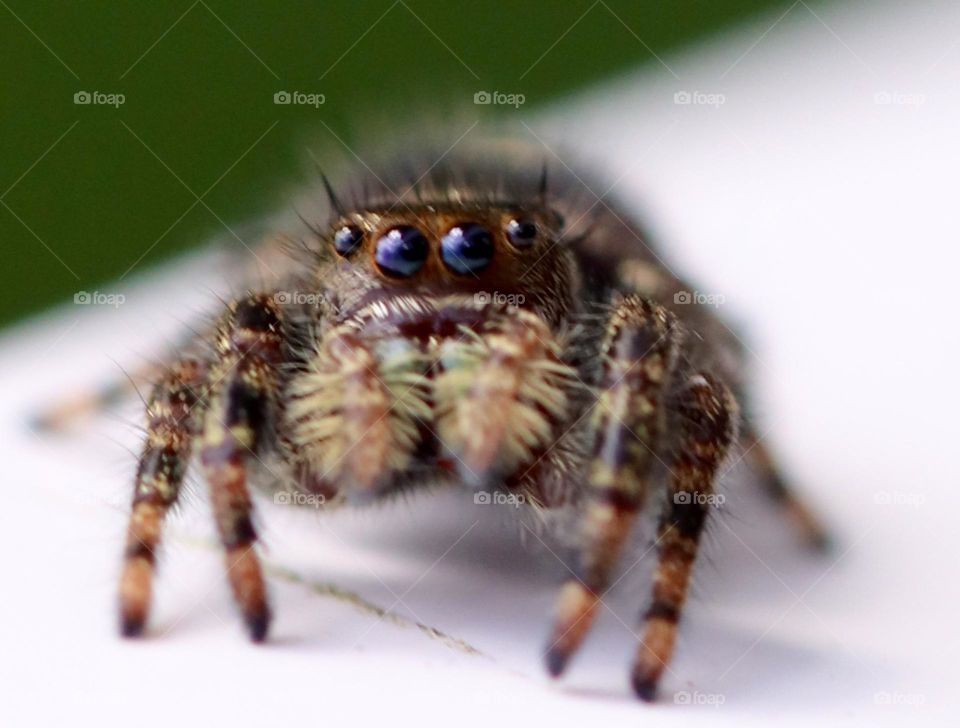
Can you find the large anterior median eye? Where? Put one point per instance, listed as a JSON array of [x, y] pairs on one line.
[[401, 251], [467, 248]]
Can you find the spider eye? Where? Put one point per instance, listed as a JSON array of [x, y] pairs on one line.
[[402, 251], [522, 233], [347, 239], [467, 248]]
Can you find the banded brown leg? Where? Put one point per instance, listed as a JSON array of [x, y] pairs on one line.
[[238, 425], [73, 409], [639, 354], [707, 421], [173, 413]]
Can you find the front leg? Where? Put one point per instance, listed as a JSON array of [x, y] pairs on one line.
[[638, 358], [707, 424], [650, 280], [354, 414], [501, 393], [241, 419], [173, 415]]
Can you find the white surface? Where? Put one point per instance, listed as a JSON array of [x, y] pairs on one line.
[[828, 222]]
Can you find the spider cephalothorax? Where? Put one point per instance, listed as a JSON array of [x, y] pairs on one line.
[[463, 324]]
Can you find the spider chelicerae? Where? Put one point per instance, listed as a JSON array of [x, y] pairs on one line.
[[479, 322]]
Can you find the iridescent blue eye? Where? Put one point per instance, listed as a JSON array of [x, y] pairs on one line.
[[522, 233], [467, 248], [347, 239], [402, 251]]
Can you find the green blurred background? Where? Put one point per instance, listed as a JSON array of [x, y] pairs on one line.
[[90, 192]]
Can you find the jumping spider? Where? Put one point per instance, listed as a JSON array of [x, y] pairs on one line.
[[484, 327]]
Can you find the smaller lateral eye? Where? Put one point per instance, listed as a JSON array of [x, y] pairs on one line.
[[521, 232], [347, 239]]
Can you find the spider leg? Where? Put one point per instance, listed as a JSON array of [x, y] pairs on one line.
[[707, 423], [76, 407], [240, 419], [638, 358], [269, 263], [772, 483], [173, 416], [500, 395], [355, 414]]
